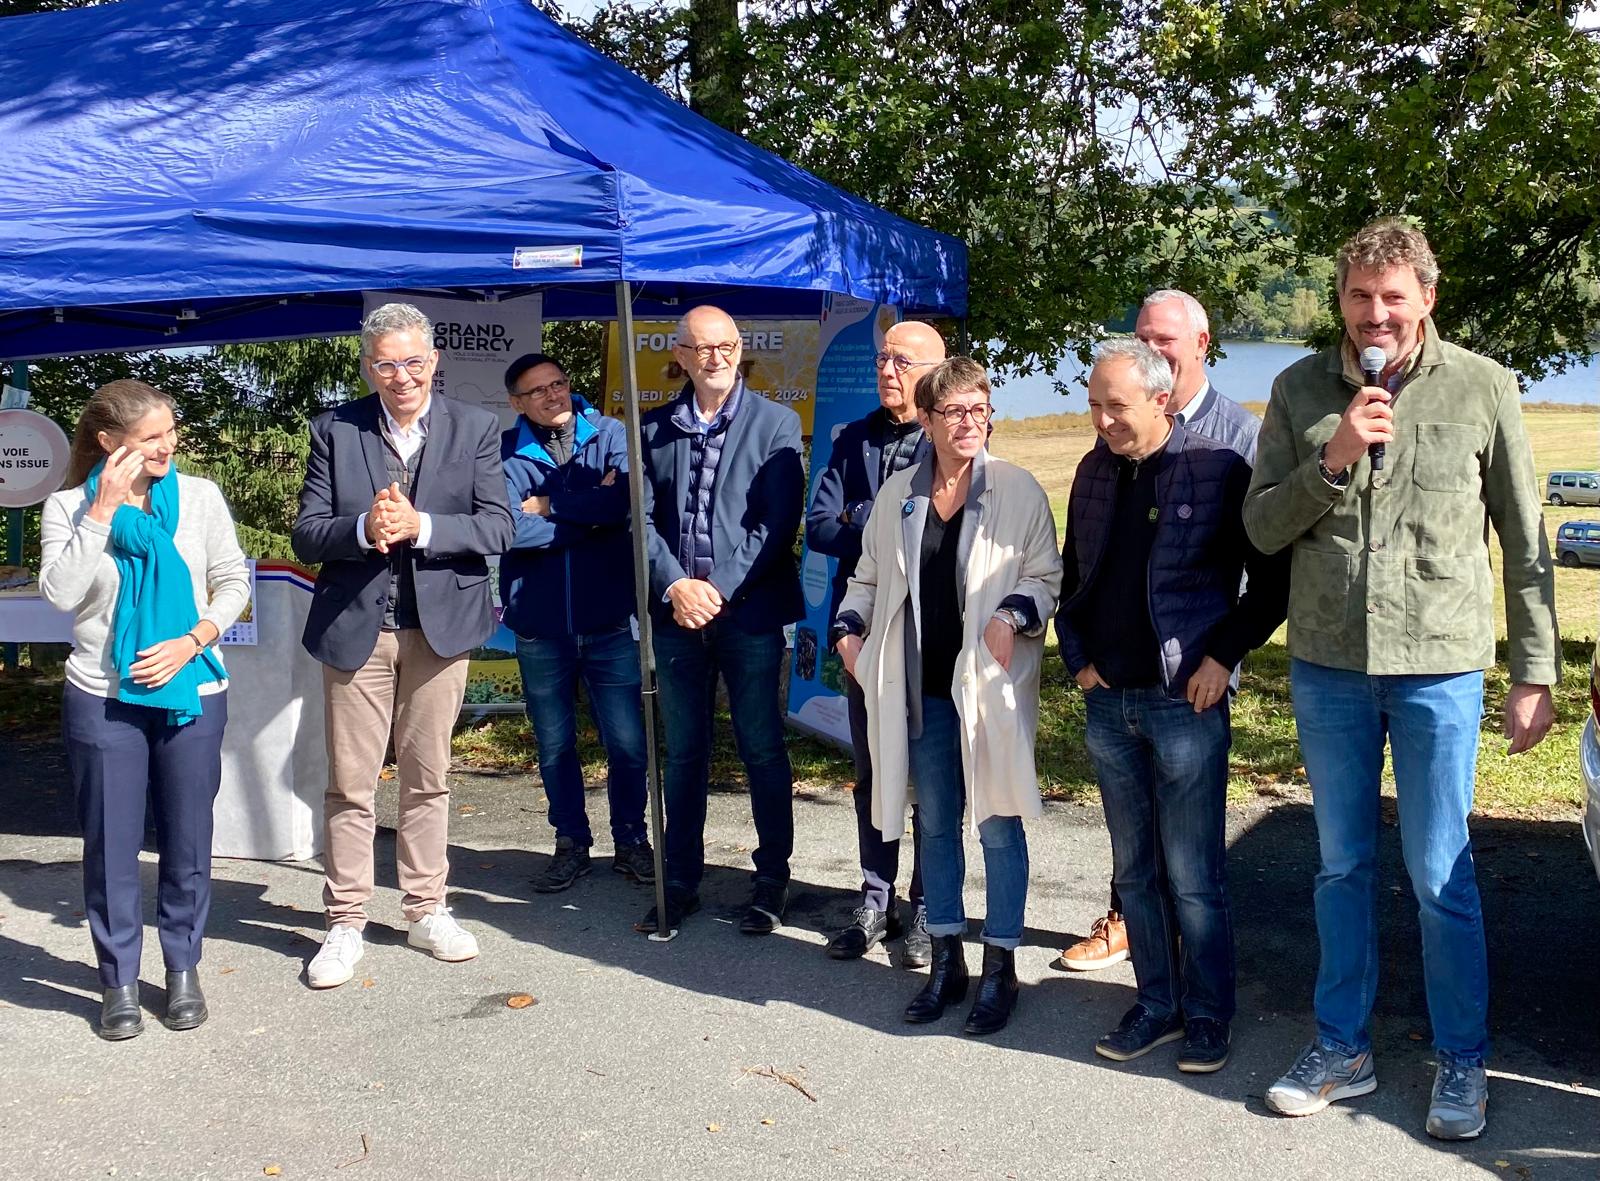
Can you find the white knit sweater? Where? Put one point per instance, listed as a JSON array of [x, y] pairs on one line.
[[78, 574]]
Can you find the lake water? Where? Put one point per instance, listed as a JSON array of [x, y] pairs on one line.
[[1246, 375]]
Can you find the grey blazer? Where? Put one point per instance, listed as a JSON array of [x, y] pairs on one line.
[[459, 484]]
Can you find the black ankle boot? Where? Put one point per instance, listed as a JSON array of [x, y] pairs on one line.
[[997, 992], [186, 1004], [947, 982], [119, 1013]]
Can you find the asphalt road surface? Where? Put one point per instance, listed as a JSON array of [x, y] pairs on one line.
[[722, 1056]]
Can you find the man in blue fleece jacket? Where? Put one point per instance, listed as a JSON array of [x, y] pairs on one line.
[[567, 587]]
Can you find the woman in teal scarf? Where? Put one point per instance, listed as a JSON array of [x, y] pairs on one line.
[[148, 562]]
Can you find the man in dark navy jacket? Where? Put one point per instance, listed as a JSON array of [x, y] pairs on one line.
[[865, 453], [724, 487], [403, 500], [567, 587], [1152, 624]]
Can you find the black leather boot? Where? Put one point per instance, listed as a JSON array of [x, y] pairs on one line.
[[119, 1014], [186, 1004], [997, 992], [947, 982]]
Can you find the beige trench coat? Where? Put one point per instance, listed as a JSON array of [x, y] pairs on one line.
[[1007, 547]]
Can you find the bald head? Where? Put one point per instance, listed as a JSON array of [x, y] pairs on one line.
[[910, 349], [709, 350]]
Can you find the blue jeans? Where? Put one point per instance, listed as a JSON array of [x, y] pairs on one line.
[[1163, 772], [608, 662], [687, 665], [1431, 723], [941, 802]]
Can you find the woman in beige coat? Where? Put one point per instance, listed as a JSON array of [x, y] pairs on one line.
[[943, 628]]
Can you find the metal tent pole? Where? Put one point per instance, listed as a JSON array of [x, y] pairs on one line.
[[641, 593]]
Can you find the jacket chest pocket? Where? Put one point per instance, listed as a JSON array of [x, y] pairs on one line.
[[1446, 457]]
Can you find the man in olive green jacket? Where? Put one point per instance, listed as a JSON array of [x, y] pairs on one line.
[[1390, 628]]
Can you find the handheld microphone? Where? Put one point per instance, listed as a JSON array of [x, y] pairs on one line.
[[1372, 360]]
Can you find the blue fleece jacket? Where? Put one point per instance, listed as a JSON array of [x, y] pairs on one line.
[[570, 572]]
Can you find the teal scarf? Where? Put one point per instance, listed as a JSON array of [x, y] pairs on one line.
[[155, 601]]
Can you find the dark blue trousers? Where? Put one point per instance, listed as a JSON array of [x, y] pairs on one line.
[[120, 756]]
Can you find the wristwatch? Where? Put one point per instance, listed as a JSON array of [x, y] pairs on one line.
[[1012, 617], [1333, 481]]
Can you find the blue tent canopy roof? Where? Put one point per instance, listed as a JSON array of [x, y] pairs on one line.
[[197, 171]]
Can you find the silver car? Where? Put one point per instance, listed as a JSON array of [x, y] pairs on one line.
[[1589, 757]]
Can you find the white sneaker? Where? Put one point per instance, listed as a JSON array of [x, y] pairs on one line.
[[442, 936], [336, 961]]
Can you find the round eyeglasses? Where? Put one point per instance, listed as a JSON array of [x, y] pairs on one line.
[[727, 348], [900, 363], [390, 369]]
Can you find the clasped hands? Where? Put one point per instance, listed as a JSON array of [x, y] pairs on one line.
[[392, 520], [695, 602]]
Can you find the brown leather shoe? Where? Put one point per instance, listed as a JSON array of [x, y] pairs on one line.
[[1106, 944]]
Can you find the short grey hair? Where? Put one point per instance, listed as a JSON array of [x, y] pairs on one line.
[[1198, 322], [393, 317], [1154, 372]]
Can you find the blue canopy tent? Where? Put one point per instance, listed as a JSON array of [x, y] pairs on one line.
[[191, 172], [183, 172]]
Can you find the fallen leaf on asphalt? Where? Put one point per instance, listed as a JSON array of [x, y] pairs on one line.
[[520, 1000], [1502, 1164], [465, 809], [1414, 1036], [767, 1123], [226, 971], [386, 773], [368, 982], [273, 1171], [713, 1127]]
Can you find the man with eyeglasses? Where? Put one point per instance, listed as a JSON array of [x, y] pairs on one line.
[[724, 488], [403, 500], [865, 453], [567, 587], [1151, 625]]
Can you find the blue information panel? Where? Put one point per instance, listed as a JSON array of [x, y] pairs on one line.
[[847, 389]]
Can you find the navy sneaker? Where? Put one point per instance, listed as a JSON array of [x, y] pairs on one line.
[[1139, 1032]]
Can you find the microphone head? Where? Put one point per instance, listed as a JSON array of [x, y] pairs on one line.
[[1373, 360]]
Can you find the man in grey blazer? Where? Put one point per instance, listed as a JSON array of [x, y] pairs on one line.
[[724, 488], [403, 500]]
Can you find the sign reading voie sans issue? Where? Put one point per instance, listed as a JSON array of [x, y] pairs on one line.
[[33, 458]]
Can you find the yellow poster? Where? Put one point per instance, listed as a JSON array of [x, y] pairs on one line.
[[779, 361]]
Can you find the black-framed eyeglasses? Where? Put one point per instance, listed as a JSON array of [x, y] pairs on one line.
[[727, 348], [901, 364], [979, 412], [389, 369], [559, 386]]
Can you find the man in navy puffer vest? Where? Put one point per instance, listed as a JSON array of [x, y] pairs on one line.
[[1151, 625], [567, 587]]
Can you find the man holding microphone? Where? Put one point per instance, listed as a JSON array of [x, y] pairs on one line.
[[1390, 628]]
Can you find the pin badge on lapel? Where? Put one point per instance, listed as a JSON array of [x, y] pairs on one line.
[[1184, 512], [907, 508], [1153, 514]]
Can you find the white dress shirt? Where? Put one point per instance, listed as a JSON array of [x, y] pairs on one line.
[[406, 443]]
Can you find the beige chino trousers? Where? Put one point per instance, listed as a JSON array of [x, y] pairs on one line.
[[405, 683]]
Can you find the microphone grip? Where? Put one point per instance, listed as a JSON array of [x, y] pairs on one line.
[[1375, 451]]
